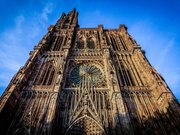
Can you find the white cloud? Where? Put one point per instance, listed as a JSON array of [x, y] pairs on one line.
[[18, 40], [46, 11]]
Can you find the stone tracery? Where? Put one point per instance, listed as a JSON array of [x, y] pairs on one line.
[[88, 81], [88, 72]]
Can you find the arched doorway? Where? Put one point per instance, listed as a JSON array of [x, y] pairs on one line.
[[85, 126]]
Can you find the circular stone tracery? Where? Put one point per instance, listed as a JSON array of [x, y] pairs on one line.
[[86, 72]]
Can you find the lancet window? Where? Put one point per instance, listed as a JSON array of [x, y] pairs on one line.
[[52, 39], [90, 44], [58, 44], [113, 42], [122, 43], [125, 75], [80, 44], [66, 23], [107, 39], [45, 75]]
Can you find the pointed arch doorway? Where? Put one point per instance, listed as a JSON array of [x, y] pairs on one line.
[[85, 125]]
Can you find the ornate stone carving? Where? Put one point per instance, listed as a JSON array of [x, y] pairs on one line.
[[88, 81]]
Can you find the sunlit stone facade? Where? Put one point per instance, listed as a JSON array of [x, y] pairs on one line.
[[88, 81]]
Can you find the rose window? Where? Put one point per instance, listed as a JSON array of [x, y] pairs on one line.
[[86, 73]]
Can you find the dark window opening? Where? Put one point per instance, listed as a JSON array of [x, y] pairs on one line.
[[126, 77], [113, 43], [80, 44], [90, 44], [58, 44], [45, 75]]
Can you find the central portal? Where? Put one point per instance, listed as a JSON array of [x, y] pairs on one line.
[[85, 101], [85, 126]]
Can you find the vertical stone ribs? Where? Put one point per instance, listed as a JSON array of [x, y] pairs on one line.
[[58, 43], [45, 75], [88, 81], [86, 104], [34, 117]]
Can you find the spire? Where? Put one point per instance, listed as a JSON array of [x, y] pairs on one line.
[[68, 21], [72, 11]]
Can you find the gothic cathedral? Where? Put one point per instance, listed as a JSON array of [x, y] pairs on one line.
[[88, 81]]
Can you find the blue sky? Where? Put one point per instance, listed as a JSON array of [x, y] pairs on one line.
[[154, 24]]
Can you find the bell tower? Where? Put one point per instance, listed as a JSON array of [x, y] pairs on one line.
[[92, 81]]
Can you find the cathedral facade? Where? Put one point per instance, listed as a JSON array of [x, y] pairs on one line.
[[88, 81]]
